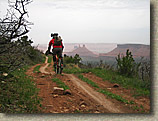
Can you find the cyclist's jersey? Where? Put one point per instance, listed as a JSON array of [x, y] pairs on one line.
[[56, 43]]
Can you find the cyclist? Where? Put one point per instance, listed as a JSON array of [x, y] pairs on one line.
[[57, 44]]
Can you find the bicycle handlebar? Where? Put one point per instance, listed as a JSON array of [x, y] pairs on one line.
[[48, 52]]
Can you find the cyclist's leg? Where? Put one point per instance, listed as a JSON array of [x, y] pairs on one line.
[[54, 57], [60, 56]]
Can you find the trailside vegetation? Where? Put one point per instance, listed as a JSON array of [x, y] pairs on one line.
[[69, 59], [126, 64], [18, 94]]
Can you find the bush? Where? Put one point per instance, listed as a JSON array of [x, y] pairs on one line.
[[69, 59], [126, 65], [19, 53]]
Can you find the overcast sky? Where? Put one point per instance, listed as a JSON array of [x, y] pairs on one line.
[[89, 21]]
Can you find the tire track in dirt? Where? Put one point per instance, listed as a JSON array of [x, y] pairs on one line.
[[98, 97]]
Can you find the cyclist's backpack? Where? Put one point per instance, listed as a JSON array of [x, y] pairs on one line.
[[57, 42]]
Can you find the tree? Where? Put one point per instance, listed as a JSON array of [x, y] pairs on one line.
[[126, 65], [13, 26], [77, 59], [144, 70]]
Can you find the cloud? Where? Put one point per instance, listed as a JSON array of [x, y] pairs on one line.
[[113, 20], [97, 4]]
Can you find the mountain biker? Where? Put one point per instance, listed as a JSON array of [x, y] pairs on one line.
[[57, 44]]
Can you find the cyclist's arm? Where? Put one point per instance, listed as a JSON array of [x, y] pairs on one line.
[[62, 44], [49, 46]]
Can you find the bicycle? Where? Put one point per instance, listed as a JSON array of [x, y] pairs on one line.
[[58, 67]]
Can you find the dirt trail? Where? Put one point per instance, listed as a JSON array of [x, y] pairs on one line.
[[83, 98], [98, 97], [42, 68]]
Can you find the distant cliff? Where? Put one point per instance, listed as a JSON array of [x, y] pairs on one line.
[[101, 50], [82, 51], [138, 50], [96, 48]]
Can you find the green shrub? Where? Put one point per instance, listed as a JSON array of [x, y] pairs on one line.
[[69, 59], [126, 65]]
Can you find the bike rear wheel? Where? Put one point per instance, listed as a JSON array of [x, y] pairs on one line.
[[59, 65], [58, 68]]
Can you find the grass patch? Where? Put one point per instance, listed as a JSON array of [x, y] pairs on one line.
[[60, 83], [18, 93], [142, 89], [114, 96], [43, 58], [70, 69], [50, 59], [36, 69], [93, 84]]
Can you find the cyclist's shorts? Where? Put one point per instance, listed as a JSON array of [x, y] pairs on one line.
[[57, 51]]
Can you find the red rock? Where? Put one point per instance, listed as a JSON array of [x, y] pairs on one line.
[[116, 85], [59, 91], [67, 92]]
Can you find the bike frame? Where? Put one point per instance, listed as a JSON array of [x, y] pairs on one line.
[[58, 69], [58, 65]]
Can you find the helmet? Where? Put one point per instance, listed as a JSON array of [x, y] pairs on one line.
[[55, 34]]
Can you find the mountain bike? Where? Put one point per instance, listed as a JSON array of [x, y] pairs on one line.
[[58, 67]]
